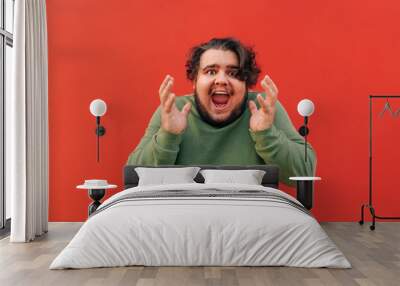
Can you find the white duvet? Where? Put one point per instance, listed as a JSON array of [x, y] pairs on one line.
[[200, 231]]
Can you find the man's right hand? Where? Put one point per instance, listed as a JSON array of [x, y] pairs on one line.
[[172, 120]]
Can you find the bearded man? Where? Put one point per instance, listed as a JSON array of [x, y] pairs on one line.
[[222, 122]]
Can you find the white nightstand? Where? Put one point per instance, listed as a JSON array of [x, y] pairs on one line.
[[305, 190], [96, 190]]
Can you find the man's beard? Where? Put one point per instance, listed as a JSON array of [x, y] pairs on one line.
[[235, 114]]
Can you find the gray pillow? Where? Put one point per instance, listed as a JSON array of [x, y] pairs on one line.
[[162, 176], [248, 177]]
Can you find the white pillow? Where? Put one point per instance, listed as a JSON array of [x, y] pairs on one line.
[[248, 177], [162, 176]]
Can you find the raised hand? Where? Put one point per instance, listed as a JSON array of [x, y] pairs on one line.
[[172, 120], [263, 118]]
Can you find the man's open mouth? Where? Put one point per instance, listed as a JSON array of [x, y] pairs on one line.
[[220, 99]]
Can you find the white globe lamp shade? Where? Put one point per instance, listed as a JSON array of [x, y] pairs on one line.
[[98, 107], [305, 107]]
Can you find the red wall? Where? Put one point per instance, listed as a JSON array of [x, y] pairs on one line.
[[333, 52]]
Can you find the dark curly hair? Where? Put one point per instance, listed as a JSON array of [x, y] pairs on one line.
[[248, 68]]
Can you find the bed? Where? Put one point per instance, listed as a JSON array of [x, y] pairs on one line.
[[201, 224]]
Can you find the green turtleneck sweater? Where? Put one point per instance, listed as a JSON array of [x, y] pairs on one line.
[[233, 144]]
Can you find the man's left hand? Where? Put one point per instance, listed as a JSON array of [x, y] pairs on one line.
[[263, 118]]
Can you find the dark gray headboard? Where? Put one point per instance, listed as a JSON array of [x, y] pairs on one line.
[[270, 179]]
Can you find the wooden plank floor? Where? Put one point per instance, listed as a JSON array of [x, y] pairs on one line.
[[375, 256]]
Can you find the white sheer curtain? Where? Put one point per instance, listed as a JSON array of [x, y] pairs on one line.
[[27, 124]]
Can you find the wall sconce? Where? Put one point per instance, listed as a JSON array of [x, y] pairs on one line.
[[305, 109], [98, 108]]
